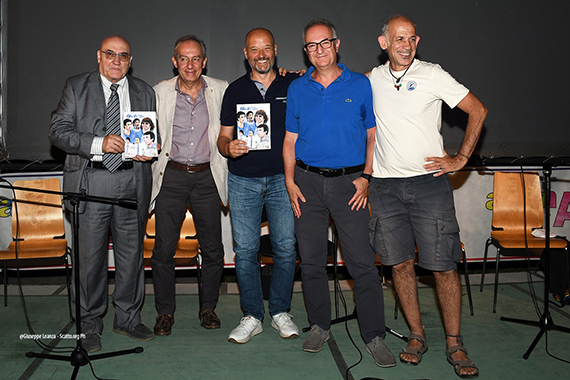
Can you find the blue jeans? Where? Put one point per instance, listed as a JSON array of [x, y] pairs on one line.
[[247, 196]]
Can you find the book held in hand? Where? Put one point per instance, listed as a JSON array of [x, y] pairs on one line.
[[140, 133]]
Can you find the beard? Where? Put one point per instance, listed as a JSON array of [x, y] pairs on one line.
[[263, 71]]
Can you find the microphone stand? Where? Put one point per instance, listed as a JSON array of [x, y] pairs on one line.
[[545, 323], [79, 357]]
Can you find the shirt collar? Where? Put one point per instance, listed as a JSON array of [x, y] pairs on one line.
[[344, 75], [204, 85], [278, 77], [107, 83]]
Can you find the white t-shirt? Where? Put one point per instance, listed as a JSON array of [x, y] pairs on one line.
[[408, 120]]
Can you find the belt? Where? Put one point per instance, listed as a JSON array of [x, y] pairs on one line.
[[126, 165], [189, 168], [326, 172]]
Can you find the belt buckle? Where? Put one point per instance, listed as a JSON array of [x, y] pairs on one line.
[[188, 166], [327, 172]]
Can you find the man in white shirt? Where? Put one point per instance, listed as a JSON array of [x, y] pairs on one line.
[[411, 198]]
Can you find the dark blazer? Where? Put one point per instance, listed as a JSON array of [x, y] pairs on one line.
[[80, 116]]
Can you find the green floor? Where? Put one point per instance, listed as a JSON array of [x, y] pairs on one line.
[[192, 352]]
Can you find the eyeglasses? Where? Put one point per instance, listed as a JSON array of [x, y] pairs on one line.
[[123, 57], [325, 44]]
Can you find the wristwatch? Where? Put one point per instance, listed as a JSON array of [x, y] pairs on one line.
[[367, 177]]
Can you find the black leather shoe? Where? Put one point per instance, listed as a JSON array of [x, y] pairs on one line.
[[209, 319], [163, 325], [139, 332]]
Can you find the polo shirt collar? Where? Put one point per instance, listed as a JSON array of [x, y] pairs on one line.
[[344, 75], [278, 77]]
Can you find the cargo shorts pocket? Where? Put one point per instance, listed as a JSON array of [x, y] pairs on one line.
[[448, 244]]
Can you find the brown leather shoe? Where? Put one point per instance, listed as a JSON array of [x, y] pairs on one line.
[[209, 319], [163, 324]]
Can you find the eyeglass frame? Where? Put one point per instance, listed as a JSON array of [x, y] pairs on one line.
[[320, 43], [114, 55]]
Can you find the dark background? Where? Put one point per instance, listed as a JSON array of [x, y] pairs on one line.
[[510, 54]]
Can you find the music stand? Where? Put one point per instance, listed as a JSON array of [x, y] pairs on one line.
[[545, 322], [79, 357]]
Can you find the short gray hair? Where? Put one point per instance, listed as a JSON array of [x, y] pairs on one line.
[[388, 20], [190, 37], [320, 21]]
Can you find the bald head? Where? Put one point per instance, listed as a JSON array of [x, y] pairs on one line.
[[260, 51], [116, 39], [114, 58], [259, 32]]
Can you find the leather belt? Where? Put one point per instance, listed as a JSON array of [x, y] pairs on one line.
[[189, 168], [326, 172], [126, 165]]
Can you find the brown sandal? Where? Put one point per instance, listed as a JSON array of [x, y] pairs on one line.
[[458, 365], [417, 352]]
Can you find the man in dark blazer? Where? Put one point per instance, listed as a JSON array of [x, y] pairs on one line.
[[79, 127]]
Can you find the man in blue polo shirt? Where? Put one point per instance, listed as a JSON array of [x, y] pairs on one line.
[[327, 153], [256, 180]]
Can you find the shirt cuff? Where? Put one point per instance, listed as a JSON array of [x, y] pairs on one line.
[[97, 146]]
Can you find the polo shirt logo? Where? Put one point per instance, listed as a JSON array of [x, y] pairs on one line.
[[347, 100]]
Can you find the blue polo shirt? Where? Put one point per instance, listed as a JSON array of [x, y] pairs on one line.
[[331, 122], [258, 163]]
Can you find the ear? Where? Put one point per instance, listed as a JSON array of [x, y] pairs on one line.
[[204, 63], [245, 53], [337, 44], [383, 42], [275, 48], [417, 40], [98, 56], [174, 62]]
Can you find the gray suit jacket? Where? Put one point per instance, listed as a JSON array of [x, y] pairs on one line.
[[80, 116], [166, 104]]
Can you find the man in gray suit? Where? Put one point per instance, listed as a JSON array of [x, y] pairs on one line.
[[189, 172], [84, 126]]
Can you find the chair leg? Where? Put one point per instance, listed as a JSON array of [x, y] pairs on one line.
[[467, 284], [496, 280], [487, 244]]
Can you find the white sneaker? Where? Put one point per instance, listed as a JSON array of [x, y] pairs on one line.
[[283, 323], [248, 327]]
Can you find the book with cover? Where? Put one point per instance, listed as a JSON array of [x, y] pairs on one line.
[[139, 132], [254, 125]]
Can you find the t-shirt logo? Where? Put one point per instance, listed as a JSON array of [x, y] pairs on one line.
[[411, 85]]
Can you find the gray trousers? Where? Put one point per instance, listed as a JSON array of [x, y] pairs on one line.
[[329, 196], [127, 232]]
